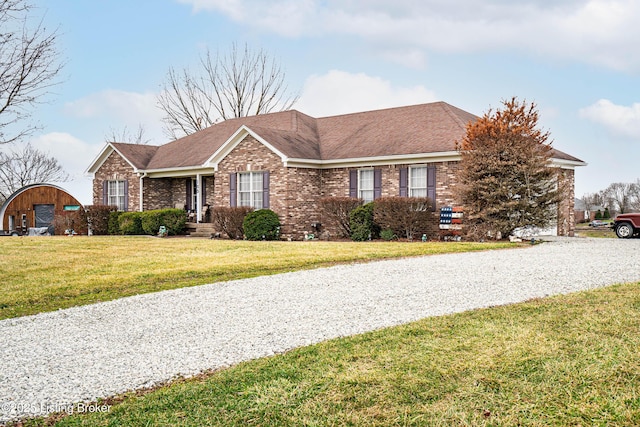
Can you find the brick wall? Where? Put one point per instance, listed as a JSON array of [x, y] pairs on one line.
[[251, 155], [115, 168], [566, 212], [294, 192], [158, 193]]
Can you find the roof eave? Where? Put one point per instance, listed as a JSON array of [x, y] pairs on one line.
[[184, 171], [374, 160], [567, 164]]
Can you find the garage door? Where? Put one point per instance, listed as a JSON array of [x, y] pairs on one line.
[[44, 216]]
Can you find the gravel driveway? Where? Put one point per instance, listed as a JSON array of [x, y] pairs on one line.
[[80, 354]]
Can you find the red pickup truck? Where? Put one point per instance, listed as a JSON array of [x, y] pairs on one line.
[[627, 225]]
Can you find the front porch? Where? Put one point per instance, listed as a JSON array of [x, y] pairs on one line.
[[193, 193]]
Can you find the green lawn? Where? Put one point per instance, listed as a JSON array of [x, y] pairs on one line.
[[42, 274], [563, 361]]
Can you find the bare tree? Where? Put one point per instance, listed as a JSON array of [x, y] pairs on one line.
[[28, 68], [591, 200], [27, 166], [635, 196], [239, 83], [619, 196], [125, 135]]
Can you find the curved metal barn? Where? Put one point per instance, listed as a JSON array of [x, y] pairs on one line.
[[36, 209]]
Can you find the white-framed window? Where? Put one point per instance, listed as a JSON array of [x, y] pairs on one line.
[[251, 189], [418, 181], [116, 194], [365, 185]]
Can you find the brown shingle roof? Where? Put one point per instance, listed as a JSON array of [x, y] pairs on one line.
[[426, 128], [138, 154], [417, 129]]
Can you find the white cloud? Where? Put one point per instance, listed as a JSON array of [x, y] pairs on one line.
[[72, 153], [117, 109], [601, 32], [618, 119], [339, 92]]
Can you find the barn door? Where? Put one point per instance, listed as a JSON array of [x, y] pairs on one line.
[[44, 216]]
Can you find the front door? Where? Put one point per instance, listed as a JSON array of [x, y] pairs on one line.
[[44, 216]]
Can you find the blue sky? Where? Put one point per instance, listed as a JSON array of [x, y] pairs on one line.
[[578, 60]]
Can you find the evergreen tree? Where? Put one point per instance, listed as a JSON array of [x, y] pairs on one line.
[[506, 178]]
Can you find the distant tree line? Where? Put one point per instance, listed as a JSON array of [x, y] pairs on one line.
[[618, 198]]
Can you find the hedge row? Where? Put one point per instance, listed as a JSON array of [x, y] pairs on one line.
[[387, 217], [148, 222]]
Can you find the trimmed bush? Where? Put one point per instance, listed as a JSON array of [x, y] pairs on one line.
[[130, 223], [409, 217], [362, 225], [98, 218], [175, 220], [114, 222], [230, 220], [336, 210], [150, 221], [263, 224]]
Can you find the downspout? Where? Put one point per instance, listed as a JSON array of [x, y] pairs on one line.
[[142, 176], [199, 197]]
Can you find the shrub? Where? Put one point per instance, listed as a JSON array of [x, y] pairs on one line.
[[70, 220], [336, 210], [130, 223], [230, 220], [406, 216], [598, 215], [388, 234], [606, 214], [114, 222], [263, 224], [150, 221], [98, 218], [362, 225], [174, 219]]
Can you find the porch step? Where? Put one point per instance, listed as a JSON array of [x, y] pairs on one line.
[[202, 229]]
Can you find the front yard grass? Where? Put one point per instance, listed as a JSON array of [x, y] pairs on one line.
[[43, 274], [560, 361]]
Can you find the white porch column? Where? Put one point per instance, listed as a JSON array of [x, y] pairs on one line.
[[199, 197], [141, 200]]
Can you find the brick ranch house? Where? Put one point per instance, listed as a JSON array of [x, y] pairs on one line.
[[288, 161]]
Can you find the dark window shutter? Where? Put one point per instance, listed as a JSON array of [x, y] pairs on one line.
[[126, 195], [203, 192], [233, 192], [377, 184], [105, 192], [265, 190], [431, 185], [353, 184], [404, 182], [189, 193]]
